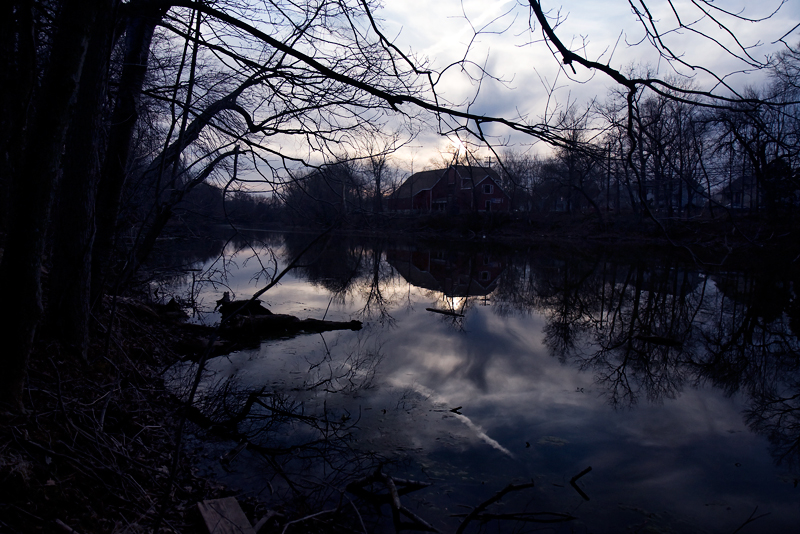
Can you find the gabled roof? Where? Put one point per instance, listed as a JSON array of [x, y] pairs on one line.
[[421, 181], [476, 174]]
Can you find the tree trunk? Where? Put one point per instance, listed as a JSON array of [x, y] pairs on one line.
[[32, 195], [145, 15], [74, 230], [377, 201], [17, 81]]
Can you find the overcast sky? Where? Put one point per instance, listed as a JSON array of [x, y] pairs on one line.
[[441, 31]]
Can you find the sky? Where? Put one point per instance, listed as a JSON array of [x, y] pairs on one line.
[[442, 31]]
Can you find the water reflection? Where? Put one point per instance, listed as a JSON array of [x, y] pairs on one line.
[[650, 370]]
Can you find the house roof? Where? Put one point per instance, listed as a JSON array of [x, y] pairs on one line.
[[421, 181], [476, 174]]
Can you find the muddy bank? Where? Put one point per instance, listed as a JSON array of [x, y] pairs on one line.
[[96, 450]]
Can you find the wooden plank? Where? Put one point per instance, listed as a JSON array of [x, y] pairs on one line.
[[224, 516]]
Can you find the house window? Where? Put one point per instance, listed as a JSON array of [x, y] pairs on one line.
[[485, 276], [488, 189], [488, 205]]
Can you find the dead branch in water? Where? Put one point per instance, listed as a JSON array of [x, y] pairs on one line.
[[479, 512], [445, 312]]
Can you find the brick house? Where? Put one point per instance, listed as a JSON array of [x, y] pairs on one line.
[[456, 189]]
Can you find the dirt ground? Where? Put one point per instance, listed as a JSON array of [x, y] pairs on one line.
[[95, 451]]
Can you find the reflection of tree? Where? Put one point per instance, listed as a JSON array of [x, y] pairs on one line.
[[649, 328], [753, 348], [377, 288], [333, 264], [301, 431], [197, 264], [645, 332], [777, 416], [344, 266], [568, 306]]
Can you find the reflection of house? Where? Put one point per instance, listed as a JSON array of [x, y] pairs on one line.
[[456, 274], [459, 188]]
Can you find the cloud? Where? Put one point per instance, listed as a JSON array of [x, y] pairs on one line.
[[607, 32]]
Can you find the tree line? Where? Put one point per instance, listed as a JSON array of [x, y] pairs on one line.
[[672, 159]]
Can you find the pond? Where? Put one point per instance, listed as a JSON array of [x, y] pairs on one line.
[[478, 367]]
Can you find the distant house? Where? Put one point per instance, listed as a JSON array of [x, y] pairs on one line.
[[672, 195], [456, 189], [741, 193], [773, 188]]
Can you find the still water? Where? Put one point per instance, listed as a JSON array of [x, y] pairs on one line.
[[678, 386]]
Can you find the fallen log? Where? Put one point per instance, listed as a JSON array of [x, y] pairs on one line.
[[264, 326], [445, 312], [242, 308], [246, 330]]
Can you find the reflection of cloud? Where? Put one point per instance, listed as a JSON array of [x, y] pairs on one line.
[[478, 431], [483, 435], [552, 440]]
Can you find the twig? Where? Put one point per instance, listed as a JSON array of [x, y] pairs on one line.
[[750, 520], [306, 518], [66, 527], [263, 521], [395, 499], [419, 523], [575, 486], [485, 504], [358, 514]]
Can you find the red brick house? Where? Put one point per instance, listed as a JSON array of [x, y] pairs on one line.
[[456, 189]]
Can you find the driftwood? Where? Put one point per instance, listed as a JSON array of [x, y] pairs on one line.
[[246, 331], [479, 513], [575, 486], [281, 325], [241, 307], [395, 487], [224, 516], [445, 312]]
